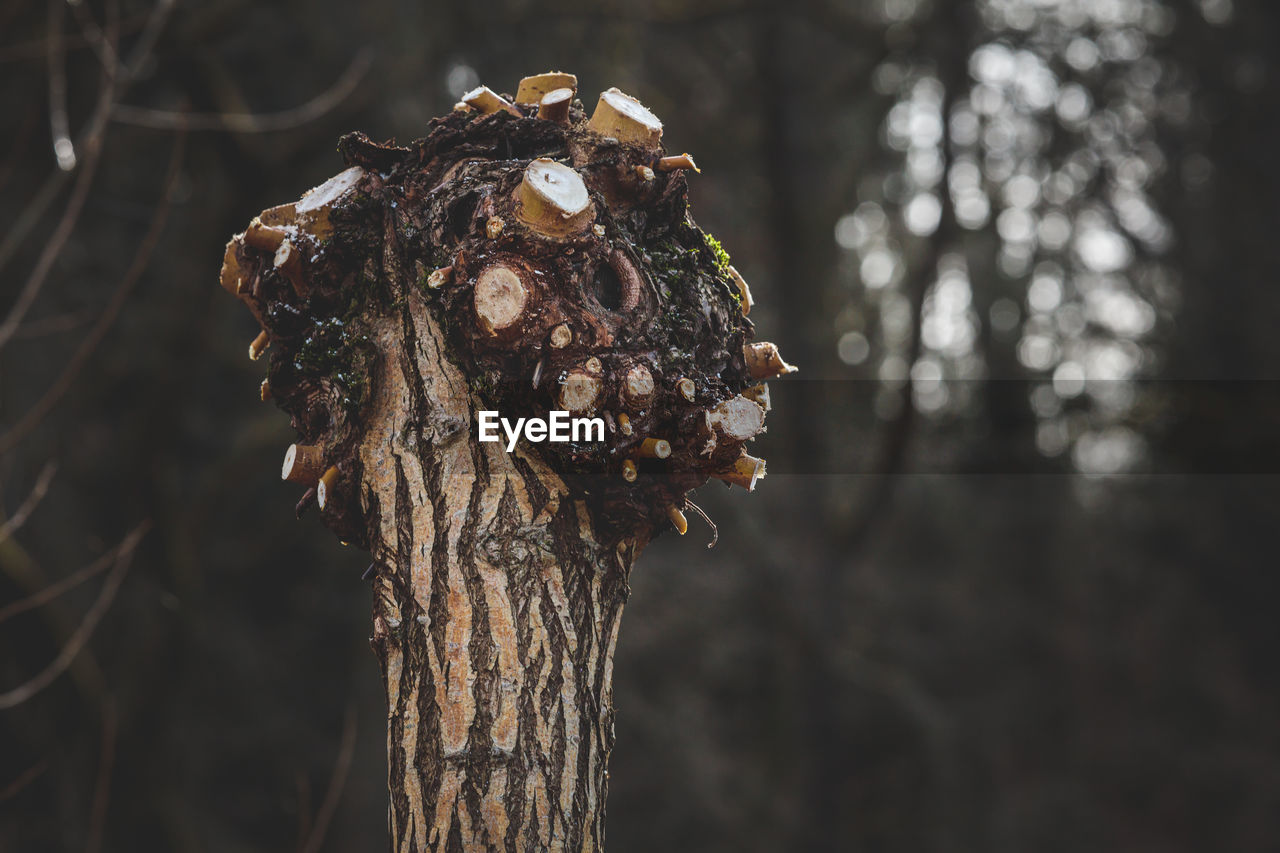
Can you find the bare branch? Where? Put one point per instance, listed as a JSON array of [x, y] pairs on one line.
[[304, 809], [102, 788], [20, 140], [123, 559], [93, 34], [341, 767], [32, 417], [251, 122], [55, 243], [59, 125], [37, 48], [147, 41], [16, 235], [24, 779], [897, 434], [702, 513], [57, 588], [56, 324], [92, 146], [114, 80], [19, 518]]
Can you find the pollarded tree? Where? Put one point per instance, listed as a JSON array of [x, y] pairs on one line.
[[522, 258]]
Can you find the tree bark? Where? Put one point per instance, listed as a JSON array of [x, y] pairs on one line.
[[522, 264], [495, 620]]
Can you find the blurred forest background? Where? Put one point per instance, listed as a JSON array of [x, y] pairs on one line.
[[1006, 587]]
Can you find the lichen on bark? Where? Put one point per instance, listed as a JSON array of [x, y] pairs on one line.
[[521, 260]]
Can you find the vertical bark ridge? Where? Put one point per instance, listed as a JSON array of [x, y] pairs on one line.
[[496, 628]]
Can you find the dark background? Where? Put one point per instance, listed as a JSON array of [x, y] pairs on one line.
[[1010, 585]]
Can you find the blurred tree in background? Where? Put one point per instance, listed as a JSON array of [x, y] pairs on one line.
[[1006, 586]]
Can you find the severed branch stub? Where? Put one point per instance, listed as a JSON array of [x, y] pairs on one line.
[[288, 260], [678, 161], [638, 385], [500, 297], [745, 472], [303, 463], [738, 418], [524, 257], [561, 336], [553, 199], [579, 391], [534, 90], [620, 116], [259, 345], [485, 100], [554, 106], [325, 486], [764, 361]]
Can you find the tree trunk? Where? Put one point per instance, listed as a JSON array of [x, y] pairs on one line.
[[520, 260], [495, 620]]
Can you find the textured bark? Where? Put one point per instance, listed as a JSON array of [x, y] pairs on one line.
[[520, 263], [495, 620]]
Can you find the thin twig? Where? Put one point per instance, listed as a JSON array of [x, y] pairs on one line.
[[251, 122], [341, 766], [715, 531], [14, 522], [308, 500], [124, 558], [102, 787], [36, 413]]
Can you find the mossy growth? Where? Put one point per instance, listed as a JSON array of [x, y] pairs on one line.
[[722, 257]]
